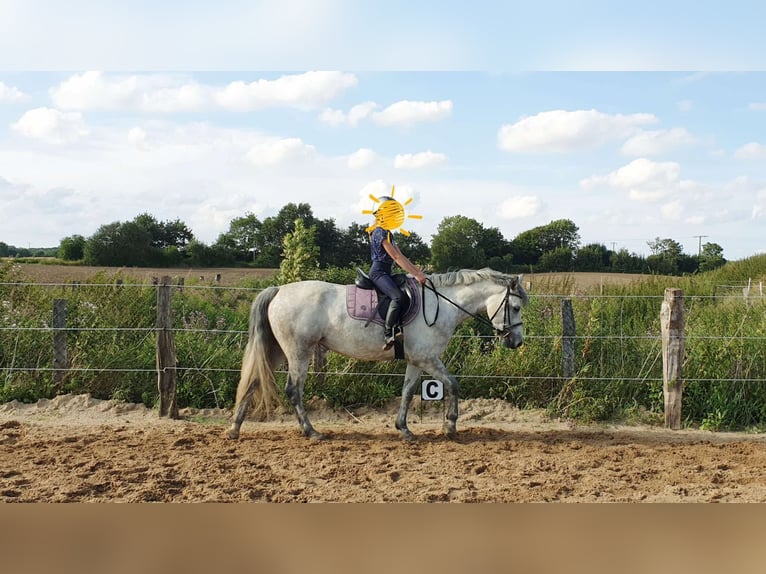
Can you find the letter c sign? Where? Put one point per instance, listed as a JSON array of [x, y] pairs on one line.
[[432, 390]]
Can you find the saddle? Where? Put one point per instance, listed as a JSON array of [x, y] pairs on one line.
[[363, 299]]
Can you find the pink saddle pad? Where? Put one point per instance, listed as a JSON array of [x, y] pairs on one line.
[[363, 303]]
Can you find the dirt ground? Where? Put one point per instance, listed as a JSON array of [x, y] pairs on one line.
[[78, 449]]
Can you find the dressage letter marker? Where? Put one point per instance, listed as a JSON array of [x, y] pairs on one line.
[[432, 390]]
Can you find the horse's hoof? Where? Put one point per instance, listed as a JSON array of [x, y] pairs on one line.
[[407, 435], [233, 434], [450, 431], [315, 436]]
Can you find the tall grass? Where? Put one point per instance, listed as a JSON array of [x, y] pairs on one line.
[[618, 352]]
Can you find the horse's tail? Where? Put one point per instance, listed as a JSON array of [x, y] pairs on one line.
[[262, 353]]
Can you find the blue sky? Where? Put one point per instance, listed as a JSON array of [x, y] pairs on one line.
[[620, 120]]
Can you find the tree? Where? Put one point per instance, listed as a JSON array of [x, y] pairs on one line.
[[557, 259], [413, 247], [592, 257], [202, 255], [458, 244], [625, 262], [166, 233], [528, 247], [72, 248], [355, 246], [711, 257], [119, 244], [328, 240], [301, 254], [666, 256], [274, 229], [562, 233], [241, 240]]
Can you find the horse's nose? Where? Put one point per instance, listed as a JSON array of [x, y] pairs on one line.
[[513, 343]]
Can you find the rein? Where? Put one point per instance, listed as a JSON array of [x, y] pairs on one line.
[[505, 305]]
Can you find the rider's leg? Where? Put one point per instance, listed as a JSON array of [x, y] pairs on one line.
[[386, 285]]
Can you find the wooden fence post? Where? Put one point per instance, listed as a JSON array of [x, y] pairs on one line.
[[166, 352], [672, 324], [567, 339], [60, 360]]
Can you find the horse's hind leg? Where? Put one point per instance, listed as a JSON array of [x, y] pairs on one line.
[[411, 377], [241, 412], [296, 379]]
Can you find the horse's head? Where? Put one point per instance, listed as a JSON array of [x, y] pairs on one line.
[[504, 311]]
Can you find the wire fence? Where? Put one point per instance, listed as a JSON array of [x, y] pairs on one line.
[[110, 333]]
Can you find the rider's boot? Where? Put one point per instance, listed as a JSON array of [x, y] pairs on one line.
[[392, 332]]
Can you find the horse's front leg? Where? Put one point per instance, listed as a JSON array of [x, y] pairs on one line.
[[437, 369], [411, 378]]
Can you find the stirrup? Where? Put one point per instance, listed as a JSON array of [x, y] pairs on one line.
[[390, 339]]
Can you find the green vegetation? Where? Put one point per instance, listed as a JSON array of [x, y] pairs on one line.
[[460, 242], [111, 347]]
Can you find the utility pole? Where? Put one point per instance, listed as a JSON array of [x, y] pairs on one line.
[[699, 249]]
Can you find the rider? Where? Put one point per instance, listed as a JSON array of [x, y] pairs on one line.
[[384, 253]]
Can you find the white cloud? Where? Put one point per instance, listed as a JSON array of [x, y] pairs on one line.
[[279, 151], [374, 188], [11, 94], [673, 210], [685, 105], [759, 208], [333, 117], [310, 90], [656, 142], [640, 173], [51, 126], [520, 206], [137, 137], [561, 130], [407, 112], [752, 150], [352, 118], [361, 158], [162, 93], [757, 106], [418, 160]]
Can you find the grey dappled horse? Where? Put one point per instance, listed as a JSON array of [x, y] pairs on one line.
[[287, 322]]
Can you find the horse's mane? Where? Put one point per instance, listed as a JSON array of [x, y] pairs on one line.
[[471, 276]]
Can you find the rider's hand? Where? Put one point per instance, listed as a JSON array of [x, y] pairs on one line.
[[421, 277]]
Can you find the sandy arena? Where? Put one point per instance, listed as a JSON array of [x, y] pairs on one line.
[[78, 449]]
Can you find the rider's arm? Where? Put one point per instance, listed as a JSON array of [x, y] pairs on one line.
[[401, 260]]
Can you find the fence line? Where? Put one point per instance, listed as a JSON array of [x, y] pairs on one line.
[[368, 374], [164, 329]]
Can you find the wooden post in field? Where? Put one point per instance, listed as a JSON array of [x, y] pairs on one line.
[[672, 324], [567, 339], [166, 352], [60, 361]]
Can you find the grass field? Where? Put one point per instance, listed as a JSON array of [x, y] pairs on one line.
[[68, 273], [235, 275]]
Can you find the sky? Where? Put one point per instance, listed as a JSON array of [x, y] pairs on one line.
[[622, 121]]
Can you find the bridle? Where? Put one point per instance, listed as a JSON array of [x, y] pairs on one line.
[[505, 305]]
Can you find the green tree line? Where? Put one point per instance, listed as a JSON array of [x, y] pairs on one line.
[[459, 242]]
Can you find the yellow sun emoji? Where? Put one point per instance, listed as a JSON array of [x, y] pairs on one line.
[[390, 214]]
